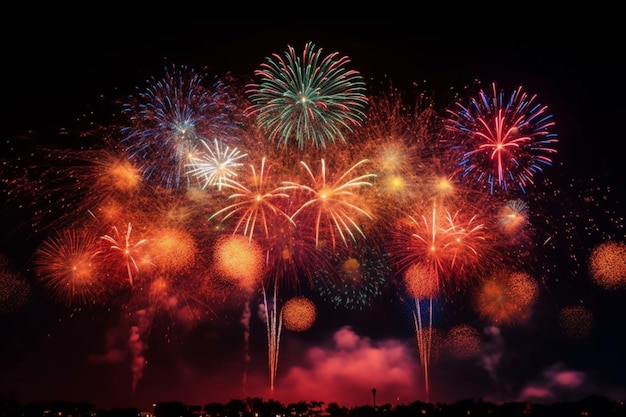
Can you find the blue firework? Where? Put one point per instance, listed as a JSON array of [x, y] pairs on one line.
[[505, 140], [168, 119]]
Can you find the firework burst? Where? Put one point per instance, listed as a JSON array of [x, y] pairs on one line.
[[331, 203], [505, 297], [215, 164], [313, 99], [357, 277], [66, 264], [167, 120], [256, 205], [508, 141], [450, 243], [125, 249]]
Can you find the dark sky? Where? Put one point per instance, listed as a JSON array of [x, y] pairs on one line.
[[58, 69], [63, 70]]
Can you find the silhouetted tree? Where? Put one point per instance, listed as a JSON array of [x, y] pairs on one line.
[[316, 407], [271, 408], [362, 411], [334, 410], [299, 409], [214, 409], [254, 405], [236, 408]]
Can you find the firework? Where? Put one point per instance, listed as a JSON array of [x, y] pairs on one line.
[[279, 223], [389, 139], [167, 120], [171, 249], [435, 254], [298, 314], [422, 285], [125, 250], [508, 141], [356, 278], [397, 138], [293, 256], [505, 297], [215, 165], [254, 205], [607, 265], [420, 281], [429, 342], [463, 341], [14, 290], [239, 259], [160, 208], [66, 264], [450, 244], [59, 186], [313, 99], [274, 325], [513, 216], [575, 321], [331, 203]]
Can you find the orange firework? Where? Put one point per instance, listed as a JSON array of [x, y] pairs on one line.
[[429, 341], [505, 297], [463, 341], [110, 211], [161, 208], [351, 267], [66, 265], [255, 206], [117, 173], [433, 338], [607, 265], [390, 140], [299, 314], [450, 244], [513, 216], [14, 291], [239, 259], [292, 255], [523, 288], [172, 249], [436, 253], [421, 281], [575, 322], [332, 203]]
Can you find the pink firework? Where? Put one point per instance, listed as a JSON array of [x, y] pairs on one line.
[[504, 141]]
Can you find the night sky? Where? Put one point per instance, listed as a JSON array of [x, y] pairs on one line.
[[73, 75]]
